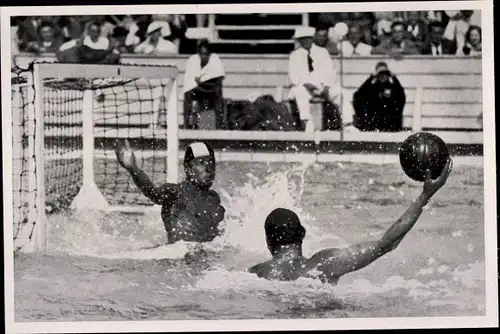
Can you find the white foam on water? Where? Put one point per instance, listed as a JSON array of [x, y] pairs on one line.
[[448, 288]]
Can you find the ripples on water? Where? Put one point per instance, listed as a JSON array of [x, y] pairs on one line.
[[106, 252]]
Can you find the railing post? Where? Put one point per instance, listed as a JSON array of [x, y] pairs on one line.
[[305, 19], [417, 110]]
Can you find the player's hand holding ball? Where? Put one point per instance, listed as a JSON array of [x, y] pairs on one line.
[[432, 186], [125, 155], [425, 158]]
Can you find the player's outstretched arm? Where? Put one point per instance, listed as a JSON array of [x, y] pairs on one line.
[[126, 158], [338, 262]]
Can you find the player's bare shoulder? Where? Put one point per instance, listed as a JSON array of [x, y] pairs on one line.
[[324, 265]]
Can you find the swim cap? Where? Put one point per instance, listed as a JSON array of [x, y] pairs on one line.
[[283, 227], [198, 150]]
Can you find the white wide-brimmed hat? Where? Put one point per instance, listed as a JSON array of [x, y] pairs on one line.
[[155, 25], [302, 32]]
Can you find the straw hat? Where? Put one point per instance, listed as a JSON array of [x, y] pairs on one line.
[[303, 32]]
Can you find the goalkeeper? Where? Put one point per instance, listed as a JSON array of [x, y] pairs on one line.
[[191, 211]]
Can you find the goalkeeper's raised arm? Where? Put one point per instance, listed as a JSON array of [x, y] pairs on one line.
[[127, 160], [191, 211]]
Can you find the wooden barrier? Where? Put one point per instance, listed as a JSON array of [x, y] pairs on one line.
[[442, 93]]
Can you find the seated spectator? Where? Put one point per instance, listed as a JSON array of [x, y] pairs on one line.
[[473, 42], [417, 28], [437, 44], [123, 41], [28, 32], [383, 24], [365, 22], [459, 25], [353, 46], [47, 39], [203, 87], [322, 39], [105, 26], [398, 44], [91, 49], [312, 75], [71, 28], [176, 26], [379, 102], [154, 43]]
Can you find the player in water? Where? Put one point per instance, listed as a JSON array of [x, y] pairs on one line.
[[191, 211], [284, 236]]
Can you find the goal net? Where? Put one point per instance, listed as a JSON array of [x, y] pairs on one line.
[[66, 121]]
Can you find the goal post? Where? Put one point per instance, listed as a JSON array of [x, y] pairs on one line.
[[67, 119]]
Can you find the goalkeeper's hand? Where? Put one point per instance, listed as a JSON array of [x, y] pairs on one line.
[[125, 155]]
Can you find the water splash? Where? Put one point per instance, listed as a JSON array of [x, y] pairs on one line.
[[119, 235]]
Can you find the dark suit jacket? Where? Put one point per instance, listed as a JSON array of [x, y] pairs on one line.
[[423, 33], [386, 47], [448, 47]]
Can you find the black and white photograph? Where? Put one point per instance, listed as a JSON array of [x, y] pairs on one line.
[[215, 167]]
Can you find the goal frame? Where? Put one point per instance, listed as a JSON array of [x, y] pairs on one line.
[[90, 196]]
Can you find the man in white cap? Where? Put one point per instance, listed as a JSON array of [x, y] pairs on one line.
[[312, 74], [191, 210], [154, 43]]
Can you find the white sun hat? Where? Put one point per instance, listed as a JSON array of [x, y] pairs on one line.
[[302, 32], [164, 26]]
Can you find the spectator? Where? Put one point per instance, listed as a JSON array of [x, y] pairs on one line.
[[154, 43], [398, 44], [438, 45], [47, 41], [365, 22], [459, 25], [203, 88], [71, 28], [322, 39], [379, 102], [353, 46], [91, 49], [94, 38], [417, 28], [383, 24], [123, 41], [473, 42], [312, 75], [106, 27], [28, 32], [175, 27]]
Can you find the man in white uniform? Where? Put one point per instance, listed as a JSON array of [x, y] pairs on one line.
[[312, 75]]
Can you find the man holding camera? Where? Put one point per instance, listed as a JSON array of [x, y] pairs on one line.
[[379, 102]]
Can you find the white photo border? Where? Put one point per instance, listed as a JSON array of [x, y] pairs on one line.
[[491, 275]]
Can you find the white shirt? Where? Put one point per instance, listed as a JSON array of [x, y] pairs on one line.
[[163, 46], [102, 43], [323, 68], [361, 49]]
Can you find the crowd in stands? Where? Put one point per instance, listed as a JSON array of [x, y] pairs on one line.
[[415, 32], [377, 105]]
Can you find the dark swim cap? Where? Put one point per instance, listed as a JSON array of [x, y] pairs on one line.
[[198, 150], [283, 227]]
